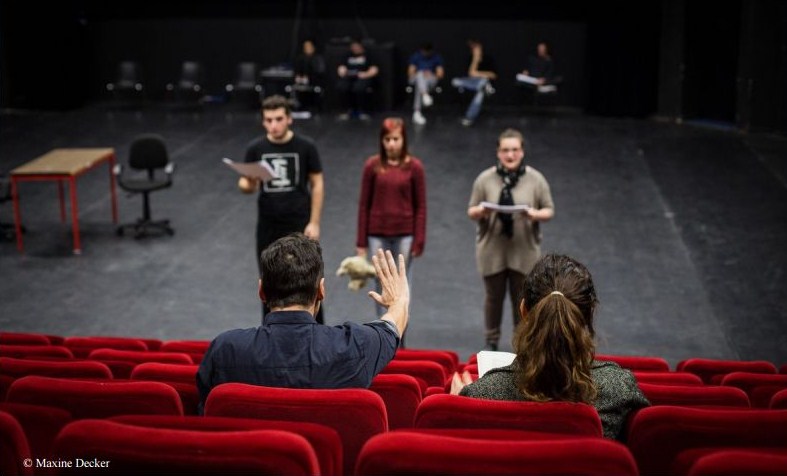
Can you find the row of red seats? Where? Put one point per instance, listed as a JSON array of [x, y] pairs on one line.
[[661, 439]]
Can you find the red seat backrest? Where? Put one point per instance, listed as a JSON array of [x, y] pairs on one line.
[[326, 441], [750, 382], [16, 368], [694, 395], [405, 453], [431, 372], [401, 394], [453, 411], [356, 414], [779, 400], [131, 449], [14, 449], [708, 369], [635, 362], [139, 357], [97, 399], [36, 351], [40, 423], [166, 372], [667, 378], [448, 359], [735, 462], [82, 346], [23, 338]]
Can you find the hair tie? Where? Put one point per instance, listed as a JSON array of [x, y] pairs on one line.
[[557, 292]]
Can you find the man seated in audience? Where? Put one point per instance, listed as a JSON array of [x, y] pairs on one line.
[[540, 71], [356, 75], [424, 71], [290, 349]]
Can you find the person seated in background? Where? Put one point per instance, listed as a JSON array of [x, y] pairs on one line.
[[356, 74], [424, 71], [290, 349], [540, 70], [309, 69], [480, 73], [555, 352]]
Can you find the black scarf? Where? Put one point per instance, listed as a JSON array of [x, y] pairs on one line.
[[510, 179]]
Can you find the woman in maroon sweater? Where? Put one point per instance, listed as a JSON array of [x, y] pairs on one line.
[[392, 206]]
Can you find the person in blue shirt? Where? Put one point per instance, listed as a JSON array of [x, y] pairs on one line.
[[290, 349], [424, 71]]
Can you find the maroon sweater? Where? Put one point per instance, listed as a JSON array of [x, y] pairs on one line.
[[393, 202]]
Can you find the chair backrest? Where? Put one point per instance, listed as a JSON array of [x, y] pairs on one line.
[[356, 414], [326, 441], [129, 73], [759, 387], [54, 368], [23, 338], [82, 346], [36, 351], [190, 74], [667, 378], [448, 359], [194, 348], [429, 371], [147, 152], [40, 423], [165, 372], [131, 449], [97, 399], [694, 395], [405, 453], [248, 75], [453, 411], [779, 400], [710, 369], [401, 394], [139, 357], [657, 435], [639, 363], [14, 449], [735, 462]]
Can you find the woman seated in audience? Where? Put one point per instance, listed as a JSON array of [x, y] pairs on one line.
[[555, 350]]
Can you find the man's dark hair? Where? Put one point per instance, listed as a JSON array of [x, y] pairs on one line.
[[276, 101], [291, 271]]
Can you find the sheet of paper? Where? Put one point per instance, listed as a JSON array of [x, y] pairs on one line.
[[526, 79], [488, 359], [260, 170], [504, 208]]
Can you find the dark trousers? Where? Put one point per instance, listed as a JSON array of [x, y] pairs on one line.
[[353, 93], [495, 286], [270, 230]]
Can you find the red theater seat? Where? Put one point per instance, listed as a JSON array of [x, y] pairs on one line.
[[736, 462], [97, 399], [695, 396], [325, 441], [193, 348], [36, 351], [41, 425], [639, 363], [430, 372], [54, 368], [406, 453], [164, 372], [658, 435], [401, 394], [139, 357], [448, 359], [82, 346], [453, 411], [23, 338], [759, 387], [356, 414], [711, 371], [131, 449], [13, 447], [667, 378], [779, 400]]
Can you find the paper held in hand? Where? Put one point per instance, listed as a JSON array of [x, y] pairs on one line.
[[488, 359], [261, 170], [505, 208]]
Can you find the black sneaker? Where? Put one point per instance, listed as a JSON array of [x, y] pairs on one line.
[[491, 346]]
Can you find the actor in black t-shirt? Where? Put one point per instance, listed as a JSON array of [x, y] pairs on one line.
[[292, 202], [356, 74]]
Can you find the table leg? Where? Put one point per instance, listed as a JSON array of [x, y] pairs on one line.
[[112, 188], [75, 215], [17, 216], [62, 201]]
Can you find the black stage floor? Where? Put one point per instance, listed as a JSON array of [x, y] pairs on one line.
[[684, 228]]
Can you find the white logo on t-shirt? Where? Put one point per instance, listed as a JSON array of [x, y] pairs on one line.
[[287, 167]]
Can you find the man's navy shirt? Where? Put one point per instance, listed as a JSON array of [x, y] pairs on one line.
[[292, 350]]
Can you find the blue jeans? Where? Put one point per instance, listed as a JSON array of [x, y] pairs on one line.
[[397, 245], [423, 85], [472, 84]]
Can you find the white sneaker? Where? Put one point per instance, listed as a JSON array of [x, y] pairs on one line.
[[419, 118], [427, 99]]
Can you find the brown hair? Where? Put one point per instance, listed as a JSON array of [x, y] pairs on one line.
[[389, 125], [511, 134], [554, 339], [276, 101]]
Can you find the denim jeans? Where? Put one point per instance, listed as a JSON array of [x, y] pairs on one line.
[[472, 84], [397, 245], [423, 84]]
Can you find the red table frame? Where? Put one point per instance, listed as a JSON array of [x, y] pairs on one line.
[[62, 165]]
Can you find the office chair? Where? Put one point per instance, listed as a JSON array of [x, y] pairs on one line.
[[147, 153], [247, 89], [188, 89], [128, 85]]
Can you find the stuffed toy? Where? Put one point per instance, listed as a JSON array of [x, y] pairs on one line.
[[359, 270]]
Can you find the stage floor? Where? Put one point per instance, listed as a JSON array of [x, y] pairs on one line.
[[683, 227]]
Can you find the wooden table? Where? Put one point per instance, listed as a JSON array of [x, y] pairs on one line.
[[62, 165]]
